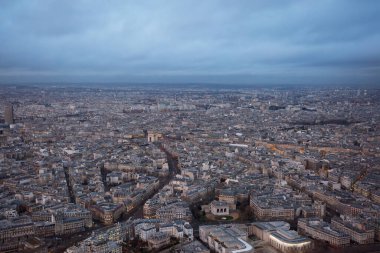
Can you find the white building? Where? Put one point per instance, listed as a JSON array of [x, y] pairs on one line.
[[225, 239]]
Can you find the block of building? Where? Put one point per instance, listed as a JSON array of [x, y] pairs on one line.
[[359, 231], [281, 237], [8, 114], [174, 211], [107, 213], [193, 247], [320, 230], [158, 240], [272, 208], [225, 238]]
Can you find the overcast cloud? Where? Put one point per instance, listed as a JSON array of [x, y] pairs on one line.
[[258, 42]]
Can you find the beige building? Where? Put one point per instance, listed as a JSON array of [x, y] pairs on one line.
[[153, 137], [358, 231], [229, 197], [150, 208], [280, 236], [15, 228], [69, 226], [13, 231], [158, 240], [320, 230], [107, 213], [175, 211], [219, 208], [271, 211]]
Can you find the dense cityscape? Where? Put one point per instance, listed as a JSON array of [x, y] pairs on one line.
[[189, 169], [184, 126]]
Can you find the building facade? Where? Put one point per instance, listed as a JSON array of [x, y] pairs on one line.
[[320, 230]]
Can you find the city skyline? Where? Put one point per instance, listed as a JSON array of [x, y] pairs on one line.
[[170, 126], [163, 169]]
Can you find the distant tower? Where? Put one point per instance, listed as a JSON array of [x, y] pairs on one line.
[[8, 114]]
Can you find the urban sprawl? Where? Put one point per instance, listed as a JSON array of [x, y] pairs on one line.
[[168, 169]]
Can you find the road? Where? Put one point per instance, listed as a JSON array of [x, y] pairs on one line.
[[60, 245]]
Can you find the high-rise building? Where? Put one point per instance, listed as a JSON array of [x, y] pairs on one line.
[[8, 114]]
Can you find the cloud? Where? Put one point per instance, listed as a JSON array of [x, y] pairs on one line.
[[190, 41]]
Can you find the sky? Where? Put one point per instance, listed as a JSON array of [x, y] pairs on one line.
[[201, 41]]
